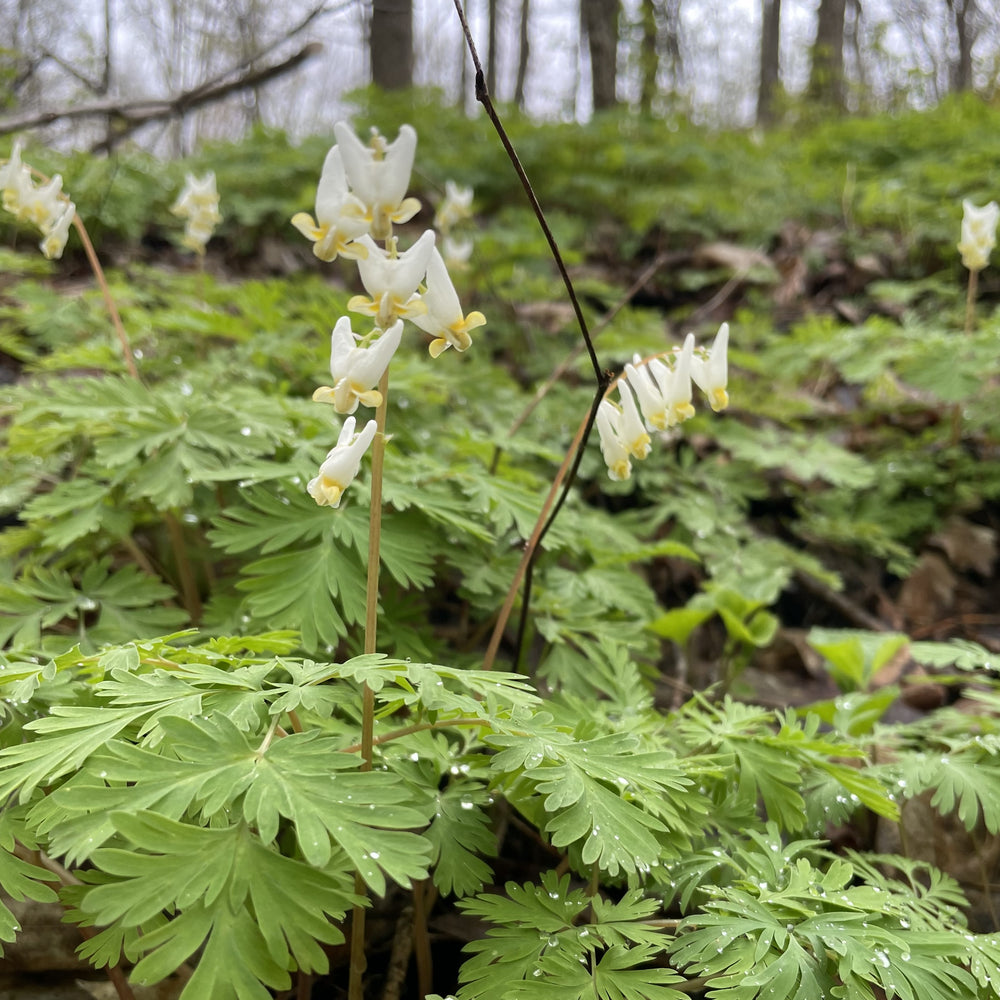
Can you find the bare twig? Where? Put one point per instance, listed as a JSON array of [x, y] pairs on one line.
[[602, 378], [483, 96], [564, 365], [134, 114]]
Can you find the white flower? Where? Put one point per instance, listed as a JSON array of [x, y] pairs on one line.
[[340, 217], [198, 203], [664, 394], [56, 234], [379, 175], [613, 447], [456, 253], [391, 280], [341, 464], [456, 206], [630, 427], [41, 206], [444, 319], [979, 234], [15, 181], [710, 373], [199, 195], [356, 370]]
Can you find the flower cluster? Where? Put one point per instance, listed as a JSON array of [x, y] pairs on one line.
[[455, 208], [45, 206], [662, 386], [361, 197], [979, 234], [198, 204]]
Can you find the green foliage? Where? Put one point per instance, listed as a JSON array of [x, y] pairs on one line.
[[205, 787]]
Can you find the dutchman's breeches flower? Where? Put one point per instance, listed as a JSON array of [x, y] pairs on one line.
[[664, 393], [391, 280], [356, 369], [613, 447], [710, 370], [444, 319], [456, 206], [979, 234], [341, 464], [379, 175], [56, 234], [340, 217], [45, 207], [198, 204]]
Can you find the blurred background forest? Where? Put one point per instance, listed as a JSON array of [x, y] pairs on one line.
[[168, 73]]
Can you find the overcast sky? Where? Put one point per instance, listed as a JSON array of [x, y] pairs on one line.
[[161, 47]]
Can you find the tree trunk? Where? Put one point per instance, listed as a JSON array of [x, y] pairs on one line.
[[826, 77], [523, 52], [491, 55], [770, 35], [599, 20], [961, 71], [649, 57], [392, 44]]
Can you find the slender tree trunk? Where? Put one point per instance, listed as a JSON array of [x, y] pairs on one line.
[[491, 55], [670, 43], [392, 44], [770, 36], [523, 53], [961, 71], [599, 20], [852, 43], [826, 77], [649, 56]]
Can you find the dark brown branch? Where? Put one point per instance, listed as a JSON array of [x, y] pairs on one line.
[[483, 96], [601, 377], [133, 114]]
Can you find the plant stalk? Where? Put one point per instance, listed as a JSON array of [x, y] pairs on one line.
[[359, 962], [970, 302], [102, 281], [189, 586]]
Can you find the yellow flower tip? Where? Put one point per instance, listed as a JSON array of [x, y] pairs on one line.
[[639, 448], [408, 208], [354, 251], [328, 493], [474, 319], [620, 471], [437, 347], [407, 310], [371, 398], [324, 394], [306, 225], [362, 304], [682, 412], [719, 399]]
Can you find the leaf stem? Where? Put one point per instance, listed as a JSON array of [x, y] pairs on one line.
[[417, 727], [572, 459], [189, 586], [359, 962], [601, 377], [970, 302], [102, 281]]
